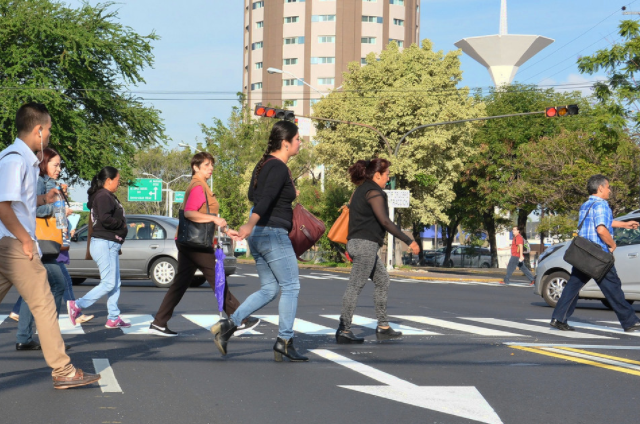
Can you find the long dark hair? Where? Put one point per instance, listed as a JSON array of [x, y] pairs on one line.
[[365, 169], [282, 130], [47, 154], [106, 173]]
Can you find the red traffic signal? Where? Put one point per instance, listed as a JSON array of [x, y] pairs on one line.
[[561, 111], [270, 112]]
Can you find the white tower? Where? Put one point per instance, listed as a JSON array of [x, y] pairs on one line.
[[504, 53]]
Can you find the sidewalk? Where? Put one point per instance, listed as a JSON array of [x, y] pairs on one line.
[[489, 275]]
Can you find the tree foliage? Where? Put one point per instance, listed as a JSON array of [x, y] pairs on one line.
[[398, 92], [78, 62]]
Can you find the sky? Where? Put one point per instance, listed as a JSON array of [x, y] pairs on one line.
[[198, 59]]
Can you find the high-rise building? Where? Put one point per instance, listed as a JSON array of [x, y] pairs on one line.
[[313, 41]]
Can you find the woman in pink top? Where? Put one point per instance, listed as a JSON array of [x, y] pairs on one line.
[[197, 196]]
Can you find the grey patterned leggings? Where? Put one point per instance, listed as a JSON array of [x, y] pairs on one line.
[[366, 264]]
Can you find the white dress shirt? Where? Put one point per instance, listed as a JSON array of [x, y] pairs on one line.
[[18, 182]]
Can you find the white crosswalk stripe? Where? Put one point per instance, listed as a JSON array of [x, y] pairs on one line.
[[466, 328], [139, 323], [544, 329], [207, 320], [595, 327], [66, 327], [301, 326], [2, 318], [371, 323]]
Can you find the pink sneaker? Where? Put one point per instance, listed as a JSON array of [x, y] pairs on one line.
[[74, 311], [117, 323]]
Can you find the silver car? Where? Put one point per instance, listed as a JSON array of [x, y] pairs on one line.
[[466, 257], [148, 252], [553, 272]]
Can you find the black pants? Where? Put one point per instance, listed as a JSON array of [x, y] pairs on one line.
[[188, 262]]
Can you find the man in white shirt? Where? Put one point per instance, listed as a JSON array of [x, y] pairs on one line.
[[20, 264]]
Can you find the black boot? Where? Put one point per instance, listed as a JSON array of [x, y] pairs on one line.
[[346, 336], [387, 333], [223, 330], [285, 347]]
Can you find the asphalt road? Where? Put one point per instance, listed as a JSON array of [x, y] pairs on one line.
[[472, 352]]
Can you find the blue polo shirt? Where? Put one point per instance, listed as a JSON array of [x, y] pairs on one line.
[[599, 214]]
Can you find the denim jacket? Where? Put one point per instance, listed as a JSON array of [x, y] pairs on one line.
[[45, 184]]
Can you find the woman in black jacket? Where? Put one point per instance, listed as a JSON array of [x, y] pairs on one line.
[[108, 229], [368, 224]]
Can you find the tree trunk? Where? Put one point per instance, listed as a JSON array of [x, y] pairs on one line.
[[490, 226], [417, 228], [523, 214], [449, 237], [541, 232]]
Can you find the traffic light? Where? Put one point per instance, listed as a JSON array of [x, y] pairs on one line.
[[269, 112], [561, 111]]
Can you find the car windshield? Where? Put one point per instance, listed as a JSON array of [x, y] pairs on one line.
[[624, 237]]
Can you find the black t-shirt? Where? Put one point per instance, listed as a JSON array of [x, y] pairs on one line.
[[273, 195], [369, 215]]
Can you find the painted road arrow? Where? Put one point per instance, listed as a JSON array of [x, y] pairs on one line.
[[466, 402]]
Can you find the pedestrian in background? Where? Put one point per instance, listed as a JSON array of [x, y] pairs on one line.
[[197, 197], [597, 226], [517, 259], [107, 232], [20, 265], [271, 191], [368, 224]]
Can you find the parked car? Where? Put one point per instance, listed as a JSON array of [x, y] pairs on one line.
[[148, 252], [467, 257], [432, 257], [553, 272], [409, 258]]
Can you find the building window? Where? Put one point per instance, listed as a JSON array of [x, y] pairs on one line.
[[258, 65], [257, 45], [291, 61], [398, 22], [363, 61], [256, 86], [400, 43], [326, 39], [322, 60], [259, 24], [291, 19], [323, 18], [290, 103], [258, 4], [259, 104], [368, 40], [290, 82], [294, 1], [313, 101], [294, 40], [373, 19], [326, 81], [398, 2]]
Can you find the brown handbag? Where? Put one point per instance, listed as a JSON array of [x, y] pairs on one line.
[[340, 228], [305, 231]]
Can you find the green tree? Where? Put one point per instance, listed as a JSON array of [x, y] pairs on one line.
[[398, 92], [79, 62], [562, 226]]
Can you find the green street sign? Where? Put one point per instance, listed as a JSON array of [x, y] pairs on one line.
[[145, 190], [178, 196], [85, 208]]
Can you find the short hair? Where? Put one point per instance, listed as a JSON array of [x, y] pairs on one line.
[[47, 154], [199, 158], [594, 182], [29, 115]]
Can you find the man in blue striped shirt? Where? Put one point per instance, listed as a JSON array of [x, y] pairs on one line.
[[597, 227]]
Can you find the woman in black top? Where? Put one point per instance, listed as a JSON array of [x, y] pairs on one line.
[[368, 224], [271, 191]]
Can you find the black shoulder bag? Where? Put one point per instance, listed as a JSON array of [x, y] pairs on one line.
[[587, 256], [197, 235]]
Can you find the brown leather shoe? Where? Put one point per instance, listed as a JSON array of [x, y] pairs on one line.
[[80, 379]]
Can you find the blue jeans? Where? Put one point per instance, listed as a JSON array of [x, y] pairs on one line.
[[26, 324], [278, 270], [611, 287], [105, 253], [68, 287]]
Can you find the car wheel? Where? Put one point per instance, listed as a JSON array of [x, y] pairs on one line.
[[552, 287], [606, 303], [198, 281], [163, 272], [77, 281], [486, 265]]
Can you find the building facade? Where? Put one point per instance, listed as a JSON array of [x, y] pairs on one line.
[[315, 40]]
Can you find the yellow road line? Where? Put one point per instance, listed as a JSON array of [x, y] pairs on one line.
[[579, 360], [586, 352]]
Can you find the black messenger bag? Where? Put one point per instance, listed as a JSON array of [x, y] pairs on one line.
[[588, 257], [197, 235]]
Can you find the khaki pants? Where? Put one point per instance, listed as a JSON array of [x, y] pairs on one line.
[[30, 279]]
